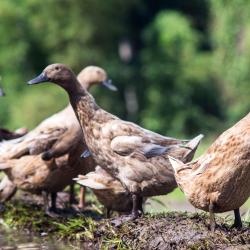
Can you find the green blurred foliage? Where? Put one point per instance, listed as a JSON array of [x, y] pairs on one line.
[[181, 93], [188, 72], [230, 36]]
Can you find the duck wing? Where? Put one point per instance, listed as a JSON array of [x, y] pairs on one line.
[[128, 138], [65, 143], [31, 144], [129, 145]]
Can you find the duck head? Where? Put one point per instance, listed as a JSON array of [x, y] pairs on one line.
[[56, 73], [64, 77], [95, 75]]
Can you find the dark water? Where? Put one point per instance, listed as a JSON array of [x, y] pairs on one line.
[[12, 240]]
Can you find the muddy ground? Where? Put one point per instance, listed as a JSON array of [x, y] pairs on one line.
[[173, 230]]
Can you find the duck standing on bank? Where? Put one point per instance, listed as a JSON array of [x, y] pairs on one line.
[[219, 181], [48, 158], [110, 191], [133, 155]]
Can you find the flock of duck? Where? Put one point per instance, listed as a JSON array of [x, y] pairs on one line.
[[120, 161]]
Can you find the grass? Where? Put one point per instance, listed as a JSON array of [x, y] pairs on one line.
[[31, 218]]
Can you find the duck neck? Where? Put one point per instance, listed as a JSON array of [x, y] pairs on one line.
[[84, 106]]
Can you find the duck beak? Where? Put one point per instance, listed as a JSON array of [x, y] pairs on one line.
[[108, 84], [1, 92], [41, 78]]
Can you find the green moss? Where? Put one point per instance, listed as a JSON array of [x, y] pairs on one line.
[[18, 215]]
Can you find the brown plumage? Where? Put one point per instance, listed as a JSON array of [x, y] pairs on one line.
[[48, 157], [129, 153], [219, 180], [108, 190]]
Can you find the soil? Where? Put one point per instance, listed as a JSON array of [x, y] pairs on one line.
[[181, 231], [172, 230]]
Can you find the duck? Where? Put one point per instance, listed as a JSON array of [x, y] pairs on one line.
[[135, 156], [109, 191], [219, 180], [48, 158]]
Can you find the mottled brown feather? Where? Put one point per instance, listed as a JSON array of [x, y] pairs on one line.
[[222, 175]]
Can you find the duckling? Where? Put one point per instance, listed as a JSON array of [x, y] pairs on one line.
[[48, 158], [133, 155], [108, 190], [219, 180]]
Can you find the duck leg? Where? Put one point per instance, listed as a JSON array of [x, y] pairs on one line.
[[212, 218], [53, 202], [137, 206], [140, 205], [50, 211], [107, 213], [72, 198], [45, 201], [237, 219], [81, 204], [135, 213]]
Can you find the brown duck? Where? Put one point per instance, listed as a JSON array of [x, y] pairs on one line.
[[108, 190], [219, 180], [48, 158], [135, 156]]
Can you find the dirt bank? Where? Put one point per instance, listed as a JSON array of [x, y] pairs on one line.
[[165, 231]]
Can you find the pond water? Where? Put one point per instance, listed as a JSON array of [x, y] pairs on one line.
[[12, 240]]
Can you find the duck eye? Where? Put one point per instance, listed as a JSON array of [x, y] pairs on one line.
[[57, 68]]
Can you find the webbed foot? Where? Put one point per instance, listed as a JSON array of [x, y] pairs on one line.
[[117, 222], [53, 213]]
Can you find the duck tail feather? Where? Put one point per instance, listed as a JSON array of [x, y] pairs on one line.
[[194, 143], [176, 164], [4, 166], [90, 183], [192, 146]]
